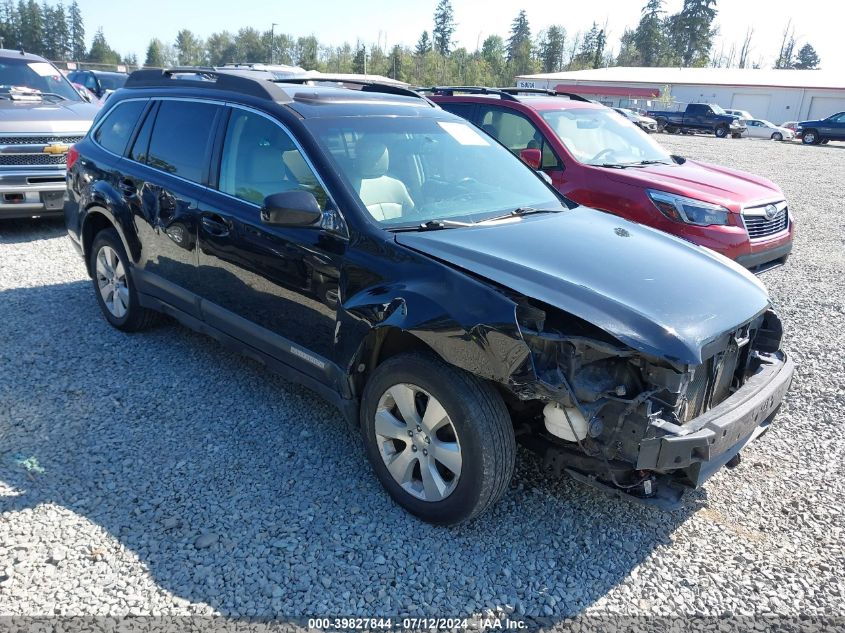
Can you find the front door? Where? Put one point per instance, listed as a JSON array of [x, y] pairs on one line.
[[274, 288]]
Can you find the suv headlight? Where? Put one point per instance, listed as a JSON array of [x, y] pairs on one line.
[[688, 210]]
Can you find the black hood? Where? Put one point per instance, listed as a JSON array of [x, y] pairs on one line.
[[652, 291]]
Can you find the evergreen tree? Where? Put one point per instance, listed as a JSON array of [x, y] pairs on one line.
[[589, 49], [691, 32], [155, 54], [649, 37], [76, 28], [10, 24], [551, 49], [423, 45], [444, 27], [520, 58], [359, 62], [807, 58], [394, 69], [787, 47], [629, 54], [32, 26], [190, 50], [101, 52]]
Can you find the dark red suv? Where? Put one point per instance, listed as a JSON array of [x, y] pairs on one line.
[[600, 159]]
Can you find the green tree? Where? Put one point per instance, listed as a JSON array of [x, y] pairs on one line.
[[32, 26], [552, 43], [691, 32], [101, 52], [520, 59], [10, 24], [308, 52], [359, 62], [76, 28], [395, 63], [423, 44], [156, 57], [220, 48], [444, 27], [251, 46], [190, 50], [649, 38], [807, 58], [629, 54], [494, 56]]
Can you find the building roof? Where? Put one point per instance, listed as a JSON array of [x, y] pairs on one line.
[[819, 79]]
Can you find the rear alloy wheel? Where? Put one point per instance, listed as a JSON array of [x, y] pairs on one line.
[[113, 284], [810, 138], [439, 439], [722, 131], [777, 136]]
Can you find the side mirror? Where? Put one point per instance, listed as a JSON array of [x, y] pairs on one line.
[[291, 208], [531, 157]]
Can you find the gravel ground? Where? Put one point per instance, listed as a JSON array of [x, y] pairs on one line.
[[158, 473]]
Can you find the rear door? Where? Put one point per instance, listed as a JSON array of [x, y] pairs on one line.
[[164, 180]]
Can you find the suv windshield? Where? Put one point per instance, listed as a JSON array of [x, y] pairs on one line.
[[112, 82], [409, 171], [28, 78], [597, 136]]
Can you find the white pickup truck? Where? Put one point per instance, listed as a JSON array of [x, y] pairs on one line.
[[41, 116]]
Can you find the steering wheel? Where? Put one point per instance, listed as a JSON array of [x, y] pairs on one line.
[[609, 151]]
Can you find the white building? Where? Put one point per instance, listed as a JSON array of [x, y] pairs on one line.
[[776, 95]]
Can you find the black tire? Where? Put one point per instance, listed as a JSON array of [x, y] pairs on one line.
[[661, 125], [671, 129], [736, 135], [721, 131], [481, 423], [825, 141], [810, 137], [136, 317], [777, 136]]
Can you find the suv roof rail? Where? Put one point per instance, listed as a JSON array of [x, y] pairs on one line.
[[367, 85], [208, 78], [508, 94]]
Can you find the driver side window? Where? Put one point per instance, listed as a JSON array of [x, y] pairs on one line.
[[517, 133], [259, 159]]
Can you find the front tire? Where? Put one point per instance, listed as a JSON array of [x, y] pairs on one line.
[[810, 137], [777, 136], [439, 439], [722, 131], [114, 286]]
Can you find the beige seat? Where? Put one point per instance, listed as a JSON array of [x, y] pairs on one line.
[[386, 198]]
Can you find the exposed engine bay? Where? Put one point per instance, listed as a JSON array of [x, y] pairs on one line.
[[605, 413]]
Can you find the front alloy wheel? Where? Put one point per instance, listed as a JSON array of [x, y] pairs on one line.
[[418, 442]]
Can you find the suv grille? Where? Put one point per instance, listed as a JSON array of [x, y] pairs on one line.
[[762, 227], [32, 159], [38, 140]]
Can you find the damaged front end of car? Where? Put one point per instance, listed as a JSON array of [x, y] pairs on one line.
[[636, 424]]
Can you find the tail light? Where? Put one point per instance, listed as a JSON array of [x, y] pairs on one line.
[[72, 156]]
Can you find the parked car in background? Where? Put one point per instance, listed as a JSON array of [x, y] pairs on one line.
[[706, 117], [742, 114], [790, 125], [760, 128], [823, 130], [410, 269], [646, 124], [41, 116], [100, 82], [86, 94], [602, 160]]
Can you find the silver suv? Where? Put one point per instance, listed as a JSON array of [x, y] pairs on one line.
[[41, 116]]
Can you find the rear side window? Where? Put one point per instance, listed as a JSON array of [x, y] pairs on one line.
[[181, 138], [461, 109], [114, 132]]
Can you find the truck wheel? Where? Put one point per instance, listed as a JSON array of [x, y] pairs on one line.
[[439, 439], [777, 136], [722, 131], [661, 125], [671, 129], [810, 137], [114, 287]]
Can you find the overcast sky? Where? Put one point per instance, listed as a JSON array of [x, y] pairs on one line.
[[401, 21]]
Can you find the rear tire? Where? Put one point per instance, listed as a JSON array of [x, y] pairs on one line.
[[416, 407], [722, 131], [671, 129], [114, 286]]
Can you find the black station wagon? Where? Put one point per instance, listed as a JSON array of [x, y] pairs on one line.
[[360, 240]]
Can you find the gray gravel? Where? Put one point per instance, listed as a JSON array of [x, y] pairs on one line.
[[158, 473]]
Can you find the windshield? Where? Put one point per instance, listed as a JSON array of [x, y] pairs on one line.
[[112, 82], [717, 109], [25, 76], [596, 136], [409, 171]]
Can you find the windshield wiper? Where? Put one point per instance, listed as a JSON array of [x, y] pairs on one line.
[[432, 225], [26, 96], [653, 162], [520, 211]]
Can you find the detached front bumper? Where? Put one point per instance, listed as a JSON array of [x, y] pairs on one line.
[[699, 448]]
